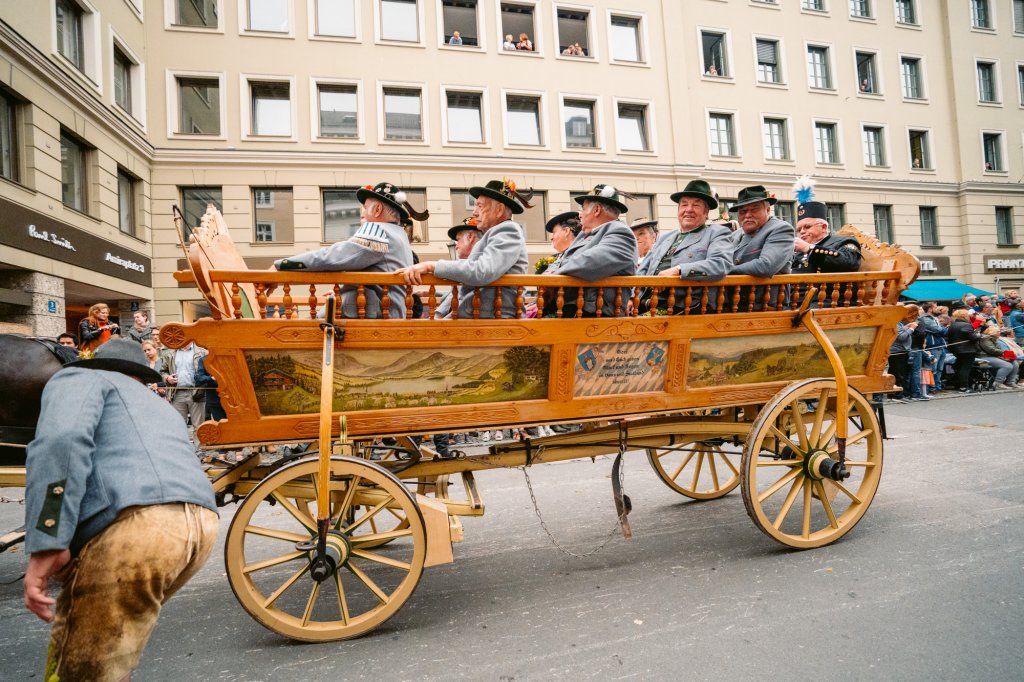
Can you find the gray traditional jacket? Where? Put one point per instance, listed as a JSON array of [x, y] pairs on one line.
[[608, 251], [104, 442], [375, 247], [767, 253], [702, 254], [501, 251]]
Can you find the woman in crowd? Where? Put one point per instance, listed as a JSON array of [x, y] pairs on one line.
[[155, 362], [1012, 353], [962, 342], [992, 352], [96, 328]]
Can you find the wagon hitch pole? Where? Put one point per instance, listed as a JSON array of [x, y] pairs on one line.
[[826, 467]]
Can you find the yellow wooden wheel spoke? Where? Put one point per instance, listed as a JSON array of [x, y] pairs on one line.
[[285, 535], [728, 462], [268, 602], [779, 463], [381, 559], [346, 503], [787, 504], [377, 537], [310, 603], [819, 415], [829, 432], [823, 498], [369, 515], [679, 469], [859, 463], [843, 489], [807, 509], [785, 439], [697, 469], [275, 561], [779, 484], [302, 518], [798, 425], [382, 597], [342, 602], [713, 469], [694, 465]]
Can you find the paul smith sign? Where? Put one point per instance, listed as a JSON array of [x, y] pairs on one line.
[[1004, 264], [28, 230]]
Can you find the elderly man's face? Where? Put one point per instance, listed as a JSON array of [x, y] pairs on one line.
[[812, 230], [465, 241], [593, 214], [692, 213], [645, 238], [489, 212], [561, 237], [753, 216]]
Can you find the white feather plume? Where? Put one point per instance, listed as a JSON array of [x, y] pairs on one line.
[[608, 191], [804, 188], [400, 197]]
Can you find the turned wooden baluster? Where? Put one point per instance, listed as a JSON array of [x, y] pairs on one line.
[[540, 301], [848, 294], [431, 302], [579, 302], [360, 302], [311, 301], [703, 302], [835, 296], [497, 303], [520, 305], [261, 299], [408, 302], [735, 299], [455, 302], [670, 304], [236, 301], [286, 301], [688, 300], [821, 295], [654, 302], [599, 301], [618, 301], [477, 295], [636, 301], [559, 302]]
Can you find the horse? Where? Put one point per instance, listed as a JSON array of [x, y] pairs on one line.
[[26, 364]]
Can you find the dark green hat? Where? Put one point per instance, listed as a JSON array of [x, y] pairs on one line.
[[697, 189], [392, 196], [505, 192], [605, 194], [643, 222], [752, 195], [467, 224], [550, 225], [812, 209]]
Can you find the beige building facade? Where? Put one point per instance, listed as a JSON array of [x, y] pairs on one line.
[[909, 114]]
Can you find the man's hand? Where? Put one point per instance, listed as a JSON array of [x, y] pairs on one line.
[[671, 272], [414, 274], [41, 566], [802, 246], [172, 380]]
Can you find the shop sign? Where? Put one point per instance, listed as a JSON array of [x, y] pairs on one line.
[[935, 266], [1004, 264]]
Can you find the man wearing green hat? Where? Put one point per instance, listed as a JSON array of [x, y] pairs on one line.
[[697, 251], [465, 235], [605, 247], [379, 245], [763, 246], [501, 251]]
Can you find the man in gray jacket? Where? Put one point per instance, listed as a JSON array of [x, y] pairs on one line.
[[763, 246], [117, 509], [605, 247], [502, 251], [379, 245]]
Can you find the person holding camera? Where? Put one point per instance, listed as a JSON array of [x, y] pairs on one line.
[[96, 329]]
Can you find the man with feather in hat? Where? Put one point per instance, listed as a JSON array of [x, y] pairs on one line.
[[379, 245], [817, 249]]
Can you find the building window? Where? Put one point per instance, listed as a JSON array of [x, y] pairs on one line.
[[403, 115], [874, 146], [624, 39], [8, 137], [867, 81], [987, 82], [1004, 226], [906, 12], [860, 8], [517, 24], [122, 80], [72, 172], [819, 73], [981, 17], [198, 106], [836, 215], [573, 32], [197, 13], [929, 228], [341, 214], [399, 20], [784, 210], [465, 117], [883, 224], [270, 16], [271, 108], [723, 142], [194, 201], [776, 140], [459, 16], [69, 32], [522, 119], [768, 61], [336, 18], [714, 53], [910, 68], [992, 147], [631, 127], [813, 5], [920, 152], [579, 123], [826, 147], [126, 202], [1020, 84], [1018, 16], [273, 212], [339, 116]]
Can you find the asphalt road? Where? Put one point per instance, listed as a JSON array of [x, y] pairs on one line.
[[929, 586]]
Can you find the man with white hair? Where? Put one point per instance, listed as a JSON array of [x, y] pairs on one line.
[[817, 249], [379, 245], [465, 235], [501, 251], [763, 246], [645, 231]]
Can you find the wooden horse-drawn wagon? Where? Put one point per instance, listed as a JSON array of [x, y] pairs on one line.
[[767, 394]]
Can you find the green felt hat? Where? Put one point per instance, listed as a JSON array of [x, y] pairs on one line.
[[752, 195], [607, 195], [697, 189], [467, 224], [393, 196], [505, 192]]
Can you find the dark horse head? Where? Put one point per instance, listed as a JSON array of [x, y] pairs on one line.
[[26, 364]]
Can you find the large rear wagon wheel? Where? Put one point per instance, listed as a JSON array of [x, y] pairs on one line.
[[698, 467], [783, 492], [270, 576]]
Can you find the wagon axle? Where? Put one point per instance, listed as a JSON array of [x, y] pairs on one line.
[[335, 554], [820, 465]]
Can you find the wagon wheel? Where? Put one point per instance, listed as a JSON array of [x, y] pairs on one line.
[[782, 490], [698, 467], [271, 578]]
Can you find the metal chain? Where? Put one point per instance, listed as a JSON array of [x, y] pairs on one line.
[[11, 500], [560, 547]]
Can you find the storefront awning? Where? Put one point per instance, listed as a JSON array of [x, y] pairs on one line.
[[940, 290]]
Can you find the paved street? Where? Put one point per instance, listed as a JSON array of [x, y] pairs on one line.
[[929, 586]]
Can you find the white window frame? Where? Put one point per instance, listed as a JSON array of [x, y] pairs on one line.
[[1002, 151], [245, 106], [137, 76], [256, 229], [169, 14], [917, 15], [922, 74], [824, 12], [172, 104], [538, 29], [481, 29], [649, 122], [871, 18], [314, 110], [485, 122], [766, 4], [996, 82], [879, 90], [886, 164], [641, 17], [729, 61], [1020, 83], [840, 147], [789, 138], [420, 28], [92, 50], [736, 139], [830, 55], [993, 23], [243, 20], [311, 24], [594, 54], [542, 116], [424, 113], [599, 138], [782, 65], [931, 149]]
